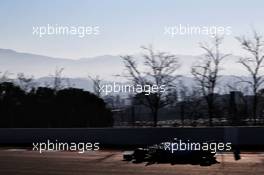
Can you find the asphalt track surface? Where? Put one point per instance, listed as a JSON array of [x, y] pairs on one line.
[[25, 162]]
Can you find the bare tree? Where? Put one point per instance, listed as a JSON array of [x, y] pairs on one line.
[[25, 83], [254, 65], [190, 103], [58, 80], [159, 71], [97, 82], [207, 73]]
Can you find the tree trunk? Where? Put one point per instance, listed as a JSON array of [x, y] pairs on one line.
[[255, 104], [155, 117], [182, 113], [210, 108]]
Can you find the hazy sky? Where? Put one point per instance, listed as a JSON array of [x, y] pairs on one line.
[[125, 25]]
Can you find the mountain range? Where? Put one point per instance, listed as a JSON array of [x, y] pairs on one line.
[[105, 66]]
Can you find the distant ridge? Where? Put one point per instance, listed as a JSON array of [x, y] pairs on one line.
[[106, 66]]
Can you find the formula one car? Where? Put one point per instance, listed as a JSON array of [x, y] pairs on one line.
[[159, 153]]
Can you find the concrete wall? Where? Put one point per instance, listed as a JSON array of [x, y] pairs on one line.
[[139, 136]]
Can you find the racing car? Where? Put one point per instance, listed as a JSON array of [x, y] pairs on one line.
[[159, 153]]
